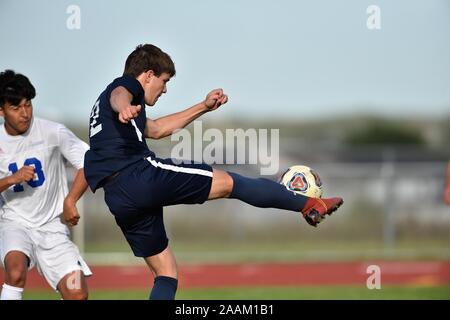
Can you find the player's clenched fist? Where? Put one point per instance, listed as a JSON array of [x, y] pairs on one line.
[[128, 113], [70, 212], [215, 99], [26, 173]]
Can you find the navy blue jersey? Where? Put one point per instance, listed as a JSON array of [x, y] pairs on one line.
[[113, 144]]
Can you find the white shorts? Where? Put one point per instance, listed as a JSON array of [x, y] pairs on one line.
[[49, 248]]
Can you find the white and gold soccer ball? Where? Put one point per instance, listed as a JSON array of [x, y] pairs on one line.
[[302, 180]]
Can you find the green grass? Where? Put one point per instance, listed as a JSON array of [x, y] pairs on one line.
[[212, 251], [271, 293]]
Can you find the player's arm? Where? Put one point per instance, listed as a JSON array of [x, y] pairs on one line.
[[26, 173], [165, 126], [79, 186], [121, 103], [73, 150]]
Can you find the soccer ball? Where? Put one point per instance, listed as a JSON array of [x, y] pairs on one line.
[[302, 180]]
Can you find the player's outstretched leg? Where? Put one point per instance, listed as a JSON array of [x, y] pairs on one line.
[[265, 193], [165, 271]]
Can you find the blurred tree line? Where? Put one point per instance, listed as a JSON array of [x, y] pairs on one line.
[[385, 132], [347, 131]]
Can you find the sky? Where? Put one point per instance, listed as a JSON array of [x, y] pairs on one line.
[[275, 59]]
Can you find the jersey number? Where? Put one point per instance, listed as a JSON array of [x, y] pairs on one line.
[[94, 126], [38, 170]]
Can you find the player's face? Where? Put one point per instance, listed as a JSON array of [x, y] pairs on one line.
[[17, 117], [154, 87]]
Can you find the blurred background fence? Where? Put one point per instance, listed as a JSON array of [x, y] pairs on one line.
[[393, 205]]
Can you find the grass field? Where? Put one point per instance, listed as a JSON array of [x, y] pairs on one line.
[[271, 293], [288, 251], [212, 251]]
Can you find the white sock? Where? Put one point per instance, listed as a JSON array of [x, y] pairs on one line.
[[11, 293]]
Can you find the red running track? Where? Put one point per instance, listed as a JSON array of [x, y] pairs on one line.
[[268, 274]]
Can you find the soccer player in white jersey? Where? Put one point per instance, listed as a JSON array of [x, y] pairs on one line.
[[35, 205]]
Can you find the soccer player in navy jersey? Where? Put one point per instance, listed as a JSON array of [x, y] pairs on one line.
[[138, 184]]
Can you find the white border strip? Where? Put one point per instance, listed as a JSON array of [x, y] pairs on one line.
[[180, 169]]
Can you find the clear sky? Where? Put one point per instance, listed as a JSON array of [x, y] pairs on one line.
[[293, 59]]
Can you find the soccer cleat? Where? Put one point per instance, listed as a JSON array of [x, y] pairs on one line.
[[316, 209]]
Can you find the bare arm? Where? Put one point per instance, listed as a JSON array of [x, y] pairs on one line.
[[78, 188], [26, 173], [121, 103], [165, 126]]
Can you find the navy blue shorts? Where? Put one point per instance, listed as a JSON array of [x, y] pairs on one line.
[[136, 198]]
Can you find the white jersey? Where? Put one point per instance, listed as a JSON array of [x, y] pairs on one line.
[[45, 146]]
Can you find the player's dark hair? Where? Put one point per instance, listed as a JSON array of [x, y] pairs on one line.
[[14, 87], [148, 57]]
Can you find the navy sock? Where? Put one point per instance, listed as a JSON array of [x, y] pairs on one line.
[[265, 193], [164, 288]]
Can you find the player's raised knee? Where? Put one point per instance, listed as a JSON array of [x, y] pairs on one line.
[[16, 277], [16, 269]]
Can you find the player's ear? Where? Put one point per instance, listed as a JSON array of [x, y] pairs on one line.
[[149, 75]]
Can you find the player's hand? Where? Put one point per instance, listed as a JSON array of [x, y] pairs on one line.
[[26, 173], [70, 212], [128, 113], [215, 99], [447, 195]]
